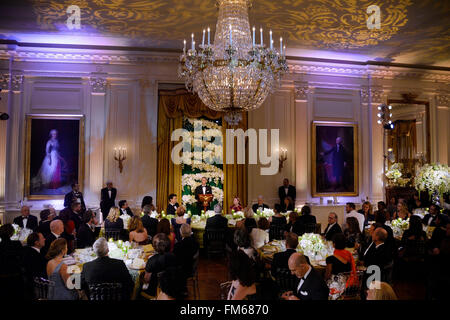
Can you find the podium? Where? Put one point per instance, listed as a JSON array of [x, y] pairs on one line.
[[205, 199]]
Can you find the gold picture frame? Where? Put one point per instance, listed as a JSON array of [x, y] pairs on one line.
[[334, 179], [58, 122]]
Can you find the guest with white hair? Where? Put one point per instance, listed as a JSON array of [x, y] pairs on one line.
[[106, 270], [56, 232], [26, 220], [260, 205]]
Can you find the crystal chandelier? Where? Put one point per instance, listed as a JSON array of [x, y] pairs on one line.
[[234, 74]]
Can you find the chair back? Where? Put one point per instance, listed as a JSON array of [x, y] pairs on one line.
[[285, 280], [41, 288], [105, 292], [225, 289], [112, 233], [276, 232], [216, 240]]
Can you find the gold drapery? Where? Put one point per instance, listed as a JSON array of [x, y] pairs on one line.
[[403, 141], [172, 107]]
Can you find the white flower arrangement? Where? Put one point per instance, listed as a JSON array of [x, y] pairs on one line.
[[394, 175], [433, 178], [399, 226], [188, 199], [312, 245]]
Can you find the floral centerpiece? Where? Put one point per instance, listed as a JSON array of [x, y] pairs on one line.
[[394, 175], [313, 246], [399, 226], [434, 179]]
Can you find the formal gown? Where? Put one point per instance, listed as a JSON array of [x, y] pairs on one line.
[[59, 291], [50, 171]]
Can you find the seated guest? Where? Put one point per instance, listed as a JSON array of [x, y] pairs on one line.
[[333, 227], [162, 260], [237, 205], [280, 259], [390, 241], [124, 208], [173, 204], [350, 210], [87, 233], [352, 233], [415, 230], [391, 208], [69, 229], [106, 270], [402, 210], [248, 214], [243, 242], [381, 209], [44, 225], [179, 221], [366, 242], [380, 291], [409, 249], [260, 236], [216, 222], [306, 218], [415, 202], [287, 204], [367, 211], [137, 231], [56, 232], [165, 227], [243, 274], [11, 276], [150, 224], [148, 200], [430, 218], [185, 250], [277, 219], [378, 253], [34, 262], [113, 222], [260, 205], [293, 217], [26, 220], [311, 286], [57, 272], [439, 233], [341, 260], [169, 283], [74, 213]]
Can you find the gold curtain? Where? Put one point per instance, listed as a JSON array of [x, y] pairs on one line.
[[173, 106]]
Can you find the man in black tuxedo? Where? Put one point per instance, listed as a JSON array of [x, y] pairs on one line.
[[286, 190], [26, 220], [280, 259], [378, 253], [260, 205], [339, 161], [56, 232], [74, 212], [430, 218], [124, 208], [150, 224], [311, 285], [173, 204], [333, 227], [108, 198], [106, 270], [87, 232], [33, 261], [74, 195], [202, 189], [217, 222]]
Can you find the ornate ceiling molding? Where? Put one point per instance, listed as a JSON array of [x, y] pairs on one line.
[[374, 94], [16, 84]]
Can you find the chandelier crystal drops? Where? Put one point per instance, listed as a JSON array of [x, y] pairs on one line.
[[235, 74]]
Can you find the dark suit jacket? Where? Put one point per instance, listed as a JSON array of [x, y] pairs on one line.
[[50, 238], [32, 222], [150, 224], [313, 288], [107, 202], [291, 193], [85, 236], [217, 222], [34, 263], [107, 270], [427, 217], [256, 206], [44, 227], [280, 261], [128, 212], [330, 232], [171, 209], [380, 256], [69, 197], [185, 251]]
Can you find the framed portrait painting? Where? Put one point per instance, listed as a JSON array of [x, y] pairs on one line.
[[334, 159], [54, 155]]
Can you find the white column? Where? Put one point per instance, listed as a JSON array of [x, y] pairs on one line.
[[443, 128]]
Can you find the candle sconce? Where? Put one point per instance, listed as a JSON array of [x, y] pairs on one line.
[[120, 155], [282, 158]]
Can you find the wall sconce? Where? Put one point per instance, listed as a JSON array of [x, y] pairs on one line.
[[120, 154], [283, 158]]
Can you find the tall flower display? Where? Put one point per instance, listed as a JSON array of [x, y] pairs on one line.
[[208, 148], [434, 179]]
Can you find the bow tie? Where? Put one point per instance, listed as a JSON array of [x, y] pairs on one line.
[[24, 217]]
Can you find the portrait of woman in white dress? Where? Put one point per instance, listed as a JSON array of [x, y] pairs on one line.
[[53, 159]]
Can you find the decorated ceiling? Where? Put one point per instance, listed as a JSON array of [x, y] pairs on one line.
[[410, 31]]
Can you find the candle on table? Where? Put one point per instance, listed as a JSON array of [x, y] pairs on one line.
[[284, 50], [271, 41], [231, 36], [184, 46], [254, 29], [281, 46], [203, 39], [209, 43], [192, 42], [261, 34]]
